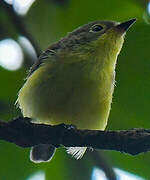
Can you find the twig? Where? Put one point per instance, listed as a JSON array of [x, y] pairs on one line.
[[26, 134], [101, 161], [19, 24]]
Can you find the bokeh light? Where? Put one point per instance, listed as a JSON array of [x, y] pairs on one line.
[[148, 8], [27, 47], [11, 55], [40, 175], [9, 1], [146, 14], [98, 174], [22, 6]]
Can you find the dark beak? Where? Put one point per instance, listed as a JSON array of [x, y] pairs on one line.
[[123, 27]]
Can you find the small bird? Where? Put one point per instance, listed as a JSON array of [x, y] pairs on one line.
[[73, 82]]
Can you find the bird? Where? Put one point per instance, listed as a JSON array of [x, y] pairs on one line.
[[73, 82]]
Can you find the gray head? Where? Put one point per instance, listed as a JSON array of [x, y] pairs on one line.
[[90, 32], [82, 38]]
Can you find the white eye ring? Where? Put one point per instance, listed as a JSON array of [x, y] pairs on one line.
[[96, 28]]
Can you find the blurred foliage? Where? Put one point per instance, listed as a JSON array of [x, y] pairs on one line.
[[47, 22]]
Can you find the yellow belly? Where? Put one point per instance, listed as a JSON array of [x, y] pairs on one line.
[[67, 97]]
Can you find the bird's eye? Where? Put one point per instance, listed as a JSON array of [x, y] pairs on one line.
[[96, 28]]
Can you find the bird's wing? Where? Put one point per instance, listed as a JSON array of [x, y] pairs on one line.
[[45, 55]]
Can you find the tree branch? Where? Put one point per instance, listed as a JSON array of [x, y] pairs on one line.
[[24, 133]]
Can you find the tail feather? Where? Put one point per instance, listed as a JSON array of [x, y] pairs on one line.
[[42, 153], [76, 152]]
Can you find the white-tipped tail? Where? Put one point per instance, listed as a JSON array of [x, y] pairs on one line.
[[76, 152], [42, 153]]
